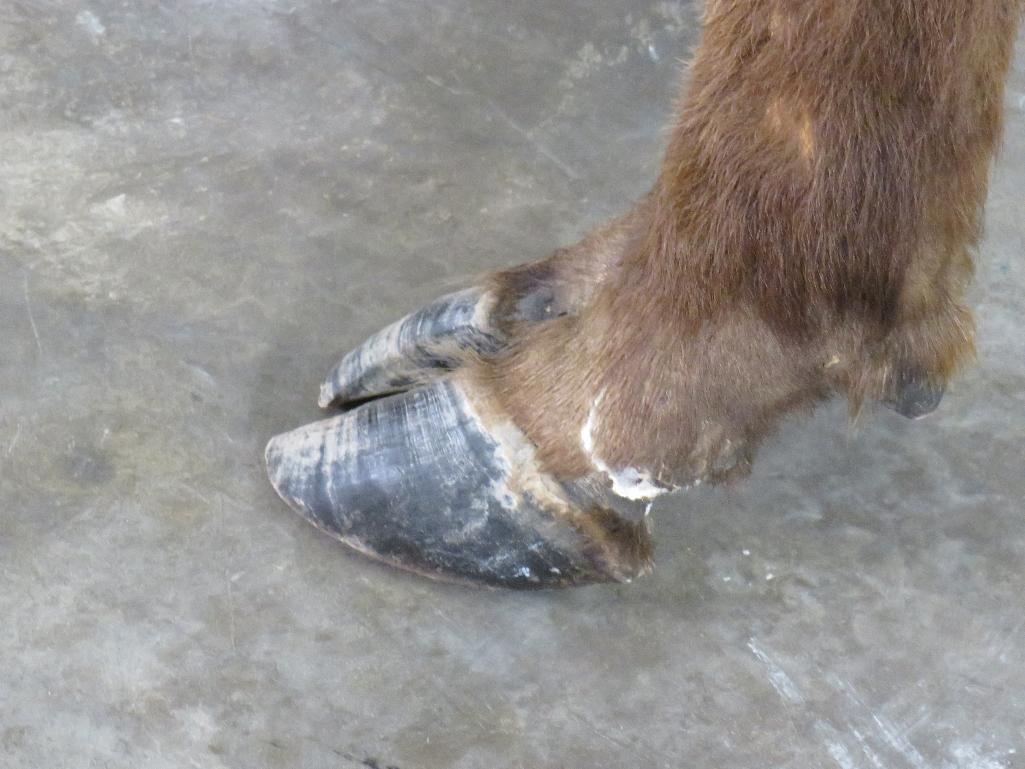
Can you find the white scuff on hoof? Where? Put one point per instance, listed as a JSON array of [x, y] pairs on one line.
[[629, 482]]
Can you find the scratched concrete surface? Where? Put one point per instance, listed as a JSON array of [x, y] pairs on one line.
[[203, 203]]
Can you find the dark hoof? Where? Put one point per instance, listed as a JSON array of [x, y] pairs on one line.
[[416, 349], [914, 396], [425, 482]]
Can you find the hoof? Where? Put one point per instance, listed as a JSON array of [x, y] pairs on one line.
[[914, 396], [424, 481]]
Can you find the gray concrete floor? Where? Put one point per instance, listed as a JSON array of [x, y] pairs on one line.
[[204, 203]]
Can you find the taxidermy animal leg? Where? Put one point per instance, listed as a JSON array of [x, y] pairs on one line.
[[809, 234]]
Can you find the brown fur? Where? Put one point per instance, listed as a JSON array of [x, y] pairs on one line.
[[809, 233]]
